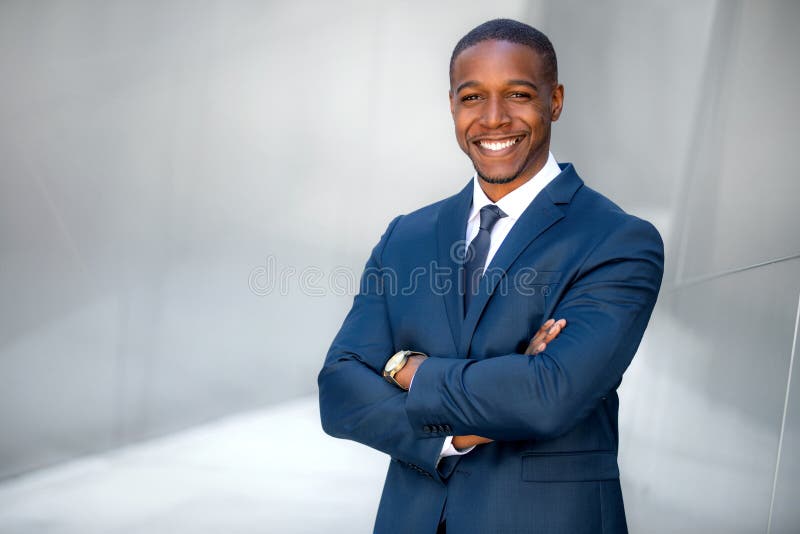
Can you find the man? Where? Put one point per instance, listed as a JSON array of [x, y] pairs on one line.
[[499, 431]]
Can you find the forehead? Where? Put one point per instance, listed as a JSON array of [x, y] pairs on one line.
[[497, 60]]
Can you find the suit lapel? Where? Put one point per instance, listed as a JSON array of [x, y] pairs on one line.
[[450, 233], [540, 215]]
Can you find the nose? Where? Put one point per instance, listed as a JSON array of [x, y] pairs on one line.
[[495, 113]]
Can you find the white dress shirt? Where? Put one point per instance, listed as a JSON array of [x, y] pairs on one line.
[[513, 204]]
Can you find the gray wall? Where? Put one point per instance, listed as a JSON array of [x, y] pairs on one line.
[[160, 162], [164, 166], [689, 116]]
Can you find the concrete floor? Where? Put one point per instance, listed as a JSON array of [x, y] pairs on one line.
[[271, 471]]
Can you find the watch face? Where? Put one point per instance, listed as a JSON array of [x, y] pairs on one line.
[[394, 360]]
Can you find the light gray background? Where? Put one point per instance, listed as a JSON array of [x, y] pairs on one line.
[[160, 161]]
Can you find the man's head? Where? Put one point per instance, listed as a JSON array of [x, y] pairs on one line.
[[504, 93]]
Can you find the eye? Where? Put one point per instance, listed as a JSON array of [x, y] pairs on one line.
[[470, 98], [517, 95]]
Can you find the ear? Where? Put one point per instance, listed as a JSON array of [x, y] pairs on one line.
[[556, 102], [452, 103]]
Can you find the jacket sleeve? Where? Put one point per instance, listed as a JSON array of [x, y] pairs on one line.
[[356, 402], [514, 396]]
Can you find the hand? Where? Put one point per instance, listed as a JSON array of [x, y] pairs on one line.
[[465, 442], [408, 371], [547, 333]]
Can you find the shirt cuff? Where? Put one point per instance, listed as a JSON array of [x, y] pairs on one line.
[[415, 374], [449, 450]]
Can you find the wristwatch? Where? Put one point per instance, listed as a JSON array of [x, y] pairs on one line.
[[396, 363]]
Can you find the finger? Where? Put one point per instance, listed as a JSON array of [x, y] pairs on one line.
[[539, 348], [561, 323], [546, 326], [541, 336], [554, 330], [542, 332], [535, 340], [552, 333], [533, 350], [534, 346]]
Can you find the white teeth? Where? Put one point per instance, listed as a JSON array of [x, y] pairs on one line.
[[497, 146]]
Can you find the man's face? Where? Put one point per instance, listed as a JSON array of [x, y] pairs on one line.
[[503, 102]]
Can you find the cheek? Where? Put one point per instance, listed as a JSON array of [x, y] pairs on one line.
[[543, 115], [461, 128], [462, 144]]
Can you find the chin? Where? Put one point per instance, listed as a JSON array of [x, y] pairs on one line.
[[497, 179], [499, 176]]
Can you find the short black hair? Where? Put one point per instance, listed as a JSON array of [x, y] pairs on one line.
[[512, 31]]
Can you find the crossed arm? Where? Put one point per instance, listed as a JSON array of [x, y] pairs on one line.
[[607, 306], [538, 343], [508, 397]]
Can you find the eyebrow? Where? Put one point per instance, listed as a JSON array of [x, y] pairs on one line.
[[473, 83]]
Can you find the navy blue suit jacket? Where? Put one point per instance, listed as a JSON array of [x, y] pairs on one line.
[[553, 465]]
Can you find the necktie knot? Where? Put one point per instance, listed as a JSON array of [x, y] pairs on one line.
[[490, 214]]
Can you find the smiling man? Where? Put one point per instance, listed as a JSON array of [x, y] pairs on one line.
[[495, 419], [503, 97]]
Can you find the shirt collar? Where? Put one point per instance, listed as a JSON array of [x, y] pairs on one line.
[[515, 202]]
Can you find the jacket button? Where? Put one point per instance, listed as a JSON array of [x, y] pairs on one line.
[[427, 428]]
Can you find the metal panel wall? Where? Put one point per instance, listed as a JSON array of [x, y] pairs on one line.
[[700, 136], [180, 182], [175, 177]]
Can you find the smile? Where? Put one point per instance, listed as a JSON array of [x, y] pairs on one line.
[[498, 145]]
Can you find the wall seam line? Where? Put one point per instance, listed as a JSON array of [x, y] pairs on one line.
[[783, 418], [708, 277]]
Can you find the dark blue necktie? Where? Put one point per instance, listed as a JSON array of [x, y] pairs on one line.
[[477, 252]]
